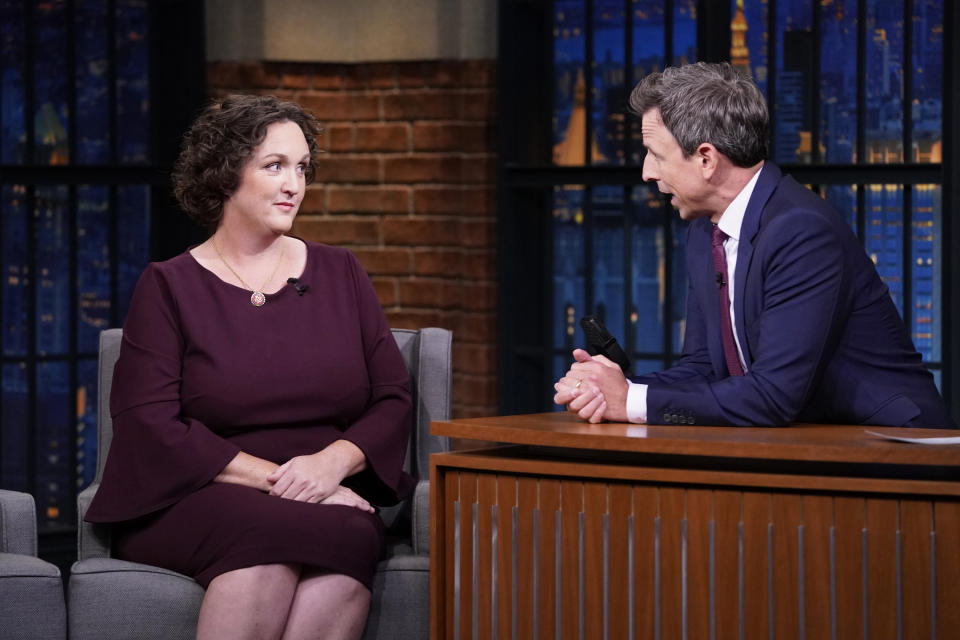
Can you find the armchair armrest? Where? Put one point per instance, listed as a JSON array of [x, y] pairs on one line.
[[93, 540], [18, 523], [420, 528]]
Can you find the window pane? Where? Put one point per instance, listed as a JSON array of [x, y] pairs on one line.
[[609, 98], [684, 31], [54, 479], [133, 89], [844, 200], [569, 86], [14, 427], [649, 55], [86, 422], [568, 267], [792, 116], [884, 235], [884, 81], [748, 39], [646, 263], [13, 136], [16, 276], [52, 115], [680, 282], [927, 266], [838, 82], [927, 80], [609, 285], [641, 367], [53, 271], [92, 83], [133, 237], [93, 265]]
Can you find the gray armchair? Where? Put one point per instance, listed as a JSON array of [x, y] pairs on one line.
[[31, 590], [110, 598]]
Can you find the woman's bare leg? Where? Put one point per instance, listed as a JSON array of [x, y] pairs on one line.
[[328, 605], [249, 603]]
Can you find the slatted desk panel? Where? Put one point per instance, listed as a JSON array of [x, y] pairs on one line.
[[618, 531]]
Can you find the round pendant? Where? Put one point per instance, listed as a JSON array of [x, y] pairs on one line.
[[257, 299]]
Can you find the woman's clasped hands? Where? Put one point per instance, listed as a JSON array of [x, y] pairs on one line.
[[315, 478]]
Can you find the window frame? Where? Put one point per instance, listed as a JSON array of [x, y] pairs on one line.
[[176, 77], [526, 175]]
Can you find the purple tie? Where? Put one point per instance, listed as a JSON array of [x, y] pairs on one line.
[[720, 265]]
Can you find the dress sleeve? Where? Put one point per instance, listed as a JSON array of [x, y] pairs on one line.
[[382, 431], [157, 456]]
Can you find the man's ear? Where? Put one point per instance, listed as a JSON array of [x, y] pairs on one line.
[[707, 158]]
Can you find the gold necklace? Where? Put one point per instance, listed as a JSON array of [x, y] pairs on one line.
[[257, 298]]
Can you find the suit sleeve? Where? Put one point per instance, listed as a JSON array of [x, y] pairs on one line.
[[801, 271], [382, 431], [156, 456]]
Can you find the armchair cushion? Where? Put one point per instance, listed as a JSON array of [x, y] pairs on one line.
[[421, 518], [114, 598], [31, 589], [93, 540], [119, 599], [398, 610], [18, 523]]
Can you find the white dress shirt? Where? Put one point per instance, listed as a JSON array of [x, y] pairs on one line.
[[730, 223]]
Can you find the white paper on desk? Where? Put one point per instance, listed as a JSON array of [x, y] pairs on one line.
[[952, 440]]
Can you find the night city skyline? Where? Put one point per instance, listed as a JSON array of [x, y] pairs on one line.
[[70, 255], [65, 278], [636, 298]]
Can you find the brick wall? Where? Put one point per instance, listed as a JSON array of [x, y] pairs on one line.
[[407, 184]]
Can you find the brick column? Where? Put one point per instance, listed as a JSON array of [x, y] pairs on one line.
[[407, 184]]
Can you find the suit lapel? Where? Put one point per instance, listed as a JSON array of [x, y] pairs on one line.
[[766, 184]]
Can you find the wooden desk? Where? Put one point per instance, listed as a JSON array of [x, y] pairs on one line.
[[621, 531]]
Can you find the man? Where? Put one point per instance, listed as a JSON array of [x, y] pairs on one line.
[[787, 318]]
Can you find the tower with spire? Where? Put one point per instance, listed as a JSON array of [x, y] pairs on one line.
[[739, 54], [571, 150]]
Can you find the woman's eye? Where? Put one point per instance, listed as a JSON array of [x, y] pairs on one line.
[[273, 166], [301, 169]]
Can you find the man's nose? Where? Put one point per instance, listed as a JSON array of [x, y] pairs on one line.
[[648, 174]]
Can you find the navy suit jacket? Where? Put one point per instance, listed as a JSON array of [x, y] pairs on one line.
[[822, 339]]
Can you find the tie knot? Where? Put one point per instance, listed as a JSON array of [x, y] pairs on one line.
[[718, 236]]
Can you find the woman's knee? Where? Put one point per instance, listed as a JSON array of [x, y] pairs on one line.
[[260, 576], [336, 586]]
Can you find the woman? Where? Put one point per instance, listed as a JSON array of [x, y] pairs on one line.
[[260, 403]]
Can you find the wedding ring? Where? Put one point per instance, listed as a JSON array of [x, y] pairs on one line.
[[579, 382]]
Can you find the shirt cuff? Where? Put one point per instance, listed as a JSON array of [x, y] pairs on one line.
[[637, 403]]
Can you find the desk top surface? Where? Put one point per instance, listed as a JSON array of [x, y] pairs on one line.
[[813, 442]]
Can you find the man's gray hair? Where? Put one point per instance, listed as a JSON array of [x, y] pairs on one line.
[[706, 102]]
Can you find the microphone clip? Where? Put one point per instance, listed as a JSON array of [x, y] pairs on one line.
[[721, 282], [299, 288]]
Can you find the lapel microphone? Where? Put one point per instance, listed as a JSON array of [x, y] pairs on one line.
[[299, 288], [720, 280]]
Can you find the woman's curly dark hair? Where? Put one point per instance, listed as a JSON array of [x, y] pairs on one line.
[[219, 144]]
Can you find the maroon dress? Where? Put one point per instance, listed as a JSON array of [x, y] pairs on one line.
[[203, 375]]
